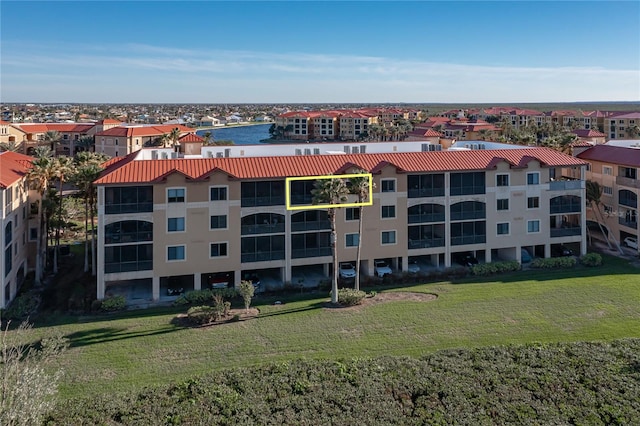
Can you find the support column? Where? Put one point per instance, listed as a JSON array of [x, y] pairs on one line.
[[155, 288], [197, 281]]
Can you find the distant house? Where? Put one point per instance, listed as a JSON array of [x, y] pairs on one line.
[[234, 118], [208, 121]]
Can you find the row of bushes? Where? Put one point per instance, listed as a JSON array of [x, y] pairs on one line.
[[550, 384], [199, 297], [495, 267]]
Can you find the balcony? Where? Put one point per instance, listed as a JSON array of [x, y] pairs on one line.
[[425, 192], [425, 243], [270, 228], [468, 239], [310, 226], [566, 185], [628, 223], [128, 208], [128, 237], [310, 252], [143, 265], [426, 217], [262, 201], [565, 208], [468, 215], [467, 190], [566, 232], [629, 182], [262, 256]]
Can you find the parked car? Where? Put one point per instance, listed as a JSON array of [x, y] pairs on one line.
[[220, 281], [174, 291], [381, 268], [525, 256], [413, 267], [560, 250], [465, 259], [631, 242], [347, 271]]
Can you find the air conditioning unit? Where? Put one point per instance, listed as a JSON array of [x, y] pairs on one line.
[[347, 149], [307, 151], [154, 155], [298, 151], [219, 155], [210, 154], [316, 151], [164, 155], [227, 152], [425, 147], [354, 150], [174, 155]]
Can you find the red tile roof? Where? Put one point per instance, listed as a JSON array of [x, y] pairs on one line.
[[13, 167], [590, 133], [130, 131], [109, 121], [4, 123], [130, 170], [612, 155], [59, 127], [190, 137]]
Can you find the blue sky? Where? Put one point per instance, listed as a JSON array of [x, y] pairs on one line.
[[307, 51]]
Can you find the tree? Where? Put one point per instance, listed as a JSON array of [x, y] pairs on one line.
[[63, 169], [52, 138], [174, 136], [246, 291], [633, 131], [331, 191], [593, 194], [360, 187], [208, 137], [39, 177], [86, 143], [27, 390], [10, 146]]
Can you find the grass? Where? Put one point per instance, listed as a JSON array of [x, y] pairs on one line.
[[136, 349]]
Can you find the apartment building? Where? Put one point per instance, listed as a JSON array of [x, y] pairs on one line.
[[202, 222], [615, 169], [354, 124], [622, 125], [16, 234], [122, 140]]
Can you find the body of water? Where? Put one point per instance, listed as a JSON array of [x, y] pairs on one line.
[[240, 135]]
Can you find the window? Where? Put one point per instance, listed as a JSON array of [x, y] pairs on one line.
[[218, 193], [33, 234], [502, 180], [388, 185], [351, 240], [218, 250], [388, 212], [533, 178], [175, 253], [353, 213], [175, 195], [606, 170], [502, 204], [533, 202], [533, 226], [503, 228], [607, 190], [219, 222], [175, 224], [388, 237]]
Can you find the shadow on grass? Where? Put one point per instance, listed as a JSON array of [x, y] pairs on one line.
[[283, 310], [111, 334]]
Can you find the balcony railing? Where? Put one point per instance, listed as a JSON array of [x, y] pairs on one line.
[[301, 199], [628, 223], [262, 256], [468, 215], [625, 181], [467, 190], [143, 265], [426, 217], [310, 226], [566, 232], [425, 192], [566, 208], [310, 252], [468, 239], [426, 243], [262, 229], [128, 237], [262, 201], [128, 208], [565, 185]]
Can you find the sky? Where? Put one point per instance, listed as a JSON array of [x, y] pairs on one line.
[[319, 52]]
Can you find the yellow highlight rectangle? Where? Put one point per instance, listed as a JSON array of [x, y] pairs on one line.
[[288, 181]]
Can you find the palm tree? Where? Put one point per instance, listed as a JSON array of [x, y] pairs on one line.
[[331, 191], [86, 143], [208, 137], [39, 177], [163, 140], [52, 138], [360, 187], [63, 169], [10, 146], [174, 136], [593, 194]]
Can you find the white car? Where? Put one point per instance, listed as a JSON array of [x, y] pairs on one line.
[[381, 268], [347, 271], [631, 242], [413, 267]]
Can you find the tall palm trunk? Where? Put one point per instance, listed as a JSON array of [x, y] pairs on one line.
[[360, 226], [93, 233], [39, 258], [334, 253], [86, 234]]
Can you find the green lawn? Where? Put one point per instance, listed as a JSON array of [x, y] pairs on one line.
[[146, 347]]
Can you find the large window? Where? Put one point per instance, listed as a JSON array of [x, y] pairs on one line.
[[175, 224], [424, 236], [310, 244], [300, 191], [428, 185], [352, 213], [468, 233], [263, 193], [262, 248], [533, 226], [133, 257], [309, 220], [388, 212], [8, 233], [422, 213], [467, 183], [8, 260], [218, 222], [467, 210], [262, 223], [128, 231], [128, 199], [351, 240], [176, 253]]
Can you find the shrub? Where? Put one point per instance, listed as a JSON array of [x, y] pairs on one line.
[[554, 262], [591, 259], [22, 306], [113, 303], [227, 293], [495, 267], [246, 291], [201, 314], [350, 296], [372, 293]]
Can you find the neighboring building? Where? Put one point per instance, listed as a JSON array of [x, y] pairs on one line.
[[70, 134], [615, 169], [196, 222], [622, 125], [591, 136], [16, 232], [123, 140]]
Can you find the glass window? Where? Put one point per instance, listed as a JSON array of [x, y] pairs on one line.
[[388, 185], [503, 229], [175, 253], [607, 190], [219, 222], [533, 202], [502, 180], [353, 213], [175, 224], [388, 237], [175, 195], [351, 240], [533, 178], [218, 250], [502, 204], [607, 170], [388, 212], [219, 193], [533, 226], [33, 234]]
